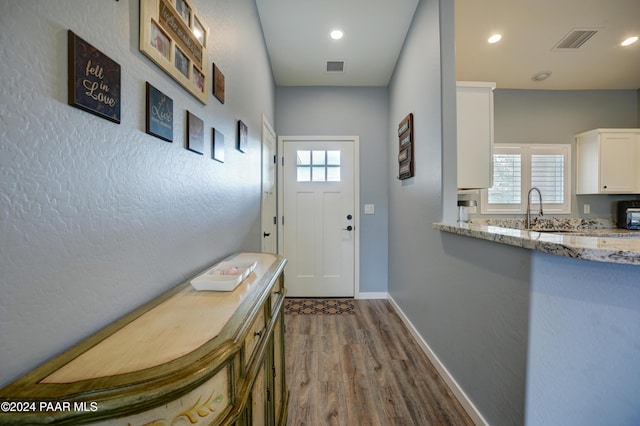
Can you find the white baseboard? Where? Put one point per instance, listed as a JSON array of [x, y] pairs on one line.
[[466, 403], [373, 295]]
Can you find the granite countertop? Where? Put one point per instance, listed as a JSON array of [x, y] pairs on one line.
[[594, 240]]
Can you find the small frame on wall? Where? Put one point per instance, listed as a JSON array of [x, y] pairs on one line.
[[195, 134], [217, 146], [159, 114], [243, 136], [94, 80], [174, 36], [218, 84], [405, 148]]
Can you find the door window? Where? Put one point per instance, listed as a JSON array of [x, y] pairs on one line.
[[318, 165]]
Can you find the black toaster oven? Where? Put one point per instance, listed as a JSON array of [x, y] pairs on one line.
[[629, 214]]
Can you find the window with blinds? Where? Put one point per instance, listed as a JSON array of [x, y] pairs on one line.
[[517, 168], [547, 174]]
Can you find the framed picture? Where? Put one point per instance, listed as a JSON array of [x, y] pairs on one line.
[[243, 136], [198, 30], [198, 78], [183, 10], [218, 84], [94, 80], [217, 146], [195, 134], [160, 40], [182, 63], [406, 168], [159, 114], [174, 37]]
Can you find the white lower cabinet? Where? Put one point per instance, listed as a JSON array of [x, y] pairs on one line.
[[608, 161]]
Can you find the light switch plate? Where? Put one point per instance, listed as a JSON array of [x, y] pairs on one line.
[[369, 209]]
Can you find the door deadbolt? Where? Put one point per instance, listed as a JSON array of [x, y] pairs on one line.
[[349, 217]]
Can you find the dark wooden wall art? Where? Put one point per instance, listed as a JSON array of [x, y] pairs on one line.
[[405, 148], [218, 84]]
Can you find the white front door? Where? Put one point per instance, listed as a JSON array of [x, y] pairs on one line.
[[319, 229], [269, 201]]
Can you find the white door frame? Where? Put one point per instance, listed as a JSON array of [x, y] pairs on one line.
[[267, 127], [356, 194]]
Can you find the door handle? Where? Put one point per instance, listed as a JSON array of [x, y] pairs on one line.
[[348, 228], [266, 234]]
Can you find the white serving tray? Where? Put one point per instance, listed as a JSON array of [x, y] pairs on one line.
[[225, 276]]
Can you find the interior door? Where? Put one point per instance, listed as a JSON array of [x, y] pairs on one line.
[[319, 217], [269, 202]]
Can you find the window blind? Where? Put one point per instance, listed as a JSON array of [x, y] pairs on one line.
[[547, 174]]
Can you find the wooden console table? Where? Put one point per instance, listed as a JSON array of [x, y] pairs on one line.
[[188, 357]]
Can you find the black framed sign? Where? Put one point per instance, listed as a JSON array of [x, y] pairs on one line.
[[217, 146], [243, 136], [94, 80], [218, 84], [195, 134], [159, 114]]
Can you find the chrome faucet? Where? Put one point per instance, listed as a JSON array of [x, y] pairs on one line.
[[528, 224]]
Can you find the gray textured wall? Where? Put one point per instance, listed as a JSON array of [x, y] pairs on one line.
[[359, 111], [97, 218], [467, 298], [584, 345]]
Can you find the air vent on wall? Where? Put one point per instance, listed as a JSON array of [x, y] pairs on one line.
[[335, 66], [576, 38]]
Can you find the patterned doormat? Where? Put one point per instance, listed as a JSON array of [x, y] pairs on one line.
[[319, 306]]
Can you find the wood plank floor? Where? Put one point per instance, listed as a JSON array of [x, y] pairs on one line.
[[363, 369]]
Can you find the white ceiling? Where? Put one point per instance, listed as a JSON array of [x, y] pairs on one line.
[[297, 38], [531, 29]]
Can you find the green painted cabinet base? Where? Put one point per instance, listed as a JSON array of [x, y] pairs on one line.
[[187, 357]]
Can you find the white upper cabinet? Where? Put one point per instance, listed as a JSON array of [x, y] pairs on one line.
[[475, 134], [608, 161]]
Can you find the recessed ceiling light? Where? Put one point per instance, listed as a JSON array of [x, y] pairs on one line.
[[495, 38], [541, 76], [629, 41], [336, 34]]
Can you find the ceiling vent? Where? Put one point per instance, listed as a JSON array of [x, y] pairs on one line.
[[576, 38], [335, 66]]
